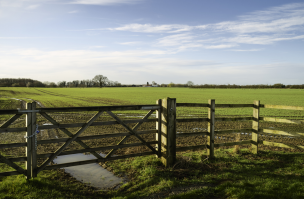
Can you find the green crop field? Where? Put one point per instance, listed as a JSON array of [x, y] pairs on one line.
[[233, 174], [68, 97]]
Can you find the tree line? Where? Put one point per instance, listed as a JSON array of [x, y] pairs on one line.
[[103, 81], [259, 86], [97, 81]]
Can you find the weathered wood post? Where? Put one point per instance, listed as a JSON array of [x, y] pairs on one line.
[[31, 153], [168, 131], [255, 126], [158, 127], [34, 142], [210, 136], [28, 150]]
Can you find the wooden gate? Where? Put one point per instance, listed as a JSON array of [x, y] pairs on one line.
[[165, 133], [32, 169]]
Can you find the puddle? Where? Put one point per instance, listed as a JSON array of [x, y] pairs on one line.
[[92, 174]]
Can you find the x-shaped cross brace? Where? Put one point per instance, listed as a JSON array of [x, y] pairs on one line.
[[131, 131], [69, 141], [2, 158]]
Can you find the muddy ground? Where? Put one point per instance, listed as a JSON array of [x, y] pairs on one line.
[[80, 117], [18, 137]]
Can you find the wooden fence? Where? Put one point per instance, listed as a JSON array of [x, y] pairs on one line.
[[165, 133]]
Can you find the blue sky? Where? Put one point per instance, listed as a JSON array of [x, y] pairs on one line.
[[139, 41]]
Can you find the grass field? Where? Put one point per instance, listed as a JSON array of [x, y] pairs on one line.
[[68, 97], [270, 174]]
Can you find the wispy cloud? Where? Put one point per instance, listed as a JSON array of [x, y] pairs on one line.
[[176, 40], [149, 28], [73, 12], [32, 7], [221, 46], [130, 43], [137, 67], [92, 47], [105, 2], [246, 50], [263, 27]]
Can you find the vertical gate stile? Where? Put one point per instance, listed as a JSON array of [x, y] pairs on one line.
[[34, 141], [28, 150], [211, 120], [158, 127], [168, 130], [255, 126]]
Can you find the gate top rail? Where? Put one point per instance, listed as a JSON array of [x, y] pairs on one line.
[[282, 107], [216, 105], [79, 109]]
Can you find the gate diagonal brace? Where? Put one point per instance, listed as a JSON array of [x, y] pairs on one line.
[[68, 133], [10, 121], [67, 143], [12, 164], [131, 131], [134, 129]]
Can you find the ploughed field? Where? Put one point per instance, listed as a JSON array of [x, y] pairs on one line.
[[68, 97]]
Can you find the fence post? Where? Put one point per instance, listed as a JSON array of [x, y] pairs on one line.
[[158, 127], [255, 126], [168, 131], [210, 136], [28, 150], [34, 141]]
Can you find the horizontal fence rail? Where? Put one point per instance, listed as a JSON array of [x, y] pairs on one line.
[[165, 132]]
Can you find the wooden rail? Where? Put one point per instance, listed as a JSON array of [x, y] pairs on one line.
[[165, 132]]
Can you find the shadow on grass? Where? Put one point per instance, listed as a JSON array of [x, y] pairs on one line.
[[245, 175], [49, 184]]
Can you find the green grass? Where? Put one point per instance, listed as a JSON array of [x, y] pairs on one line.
[[68, 97], [243, 175]]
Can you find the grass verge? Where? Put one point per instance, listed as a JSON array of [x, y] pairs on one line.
[[230, 175]]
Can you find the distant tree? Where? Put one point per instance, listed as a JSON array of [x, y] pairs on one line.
[[190, 83], [76, 83], [46, 83], [278, 85], [52, 85], [100, 80], [154, 83], [117, 83], [15, 85], [61, 84], [147, 83], [171, 84]]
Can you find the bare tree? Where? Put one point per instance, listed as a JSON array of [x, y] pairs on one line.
[[190, 83], [100, 79]]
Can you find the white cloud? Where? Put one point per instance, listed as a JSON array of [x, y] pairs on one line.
[[130, 43], [73, 12], [246, 50], [221, 46], [105, 2], [261, 27], [32, 7], [137, 67], [97, 46], [149, 28], [176, 40], [262, 40]]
